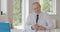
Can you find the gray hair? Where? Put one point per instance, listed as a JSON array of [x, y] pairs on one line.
[[36, 3]]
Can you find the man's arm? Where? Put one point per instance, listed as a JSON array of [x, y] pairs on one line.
[[28, 23], [49, 22], [37, 27]]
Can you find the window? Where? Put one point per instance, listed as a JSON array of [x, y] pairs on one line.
[[20, 13], [17, 13], [3, 7], [48, 6]]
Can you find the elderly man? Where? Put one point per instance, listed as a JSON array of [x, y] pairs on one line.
[[37, 20]]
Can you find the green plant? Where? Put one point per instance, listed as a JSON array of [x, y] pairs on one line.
[[46, 5], [17, 12]]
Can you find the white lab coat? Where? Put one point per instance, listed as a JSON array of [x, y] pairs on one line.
[[44, 20]]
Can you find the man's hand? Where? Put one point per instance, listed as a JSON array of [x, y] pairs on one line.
[[37, 27], [41, 28], [34, 27]]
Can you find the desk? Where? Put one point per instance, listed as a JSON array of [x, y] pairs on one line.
[[19, 30]]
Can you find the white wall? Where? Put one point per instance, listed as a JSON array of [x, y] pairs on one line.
[[58, 13]]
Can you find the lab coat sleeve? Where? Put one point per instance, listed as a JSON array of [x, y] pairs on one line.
[[28, 24], [49, 22]]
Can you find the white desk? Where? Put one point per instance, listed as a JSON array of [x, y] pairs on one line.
[[53, 30], [16, 30]]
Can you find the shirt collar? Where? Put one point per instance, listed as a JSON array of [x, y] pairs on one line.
[[36, 13]]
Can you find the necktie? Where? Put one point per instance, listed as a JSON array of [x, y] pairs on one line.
[[37, 17]]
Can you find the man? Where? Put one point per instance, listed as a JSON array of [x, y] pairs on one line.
[[38, 20]]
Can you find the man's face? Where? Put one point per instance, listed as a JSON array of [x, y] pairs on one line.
[[36, 8]]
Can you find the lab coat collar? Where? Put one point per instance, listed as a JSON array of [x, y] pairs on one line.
[[38, 14]]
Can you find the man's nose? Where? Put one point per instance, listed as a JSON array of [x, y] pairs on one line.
[[36, 8]]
